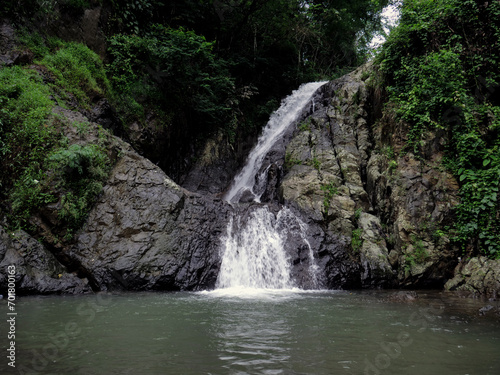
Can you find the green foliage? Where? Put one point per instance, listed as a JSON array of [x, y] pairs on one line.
[[75, 174], [388, 151], [178, 72], [290, 161], [417, 256], [30, 192], [25, 132], [441, 66], [133, 16], [305, 125], [80, 172], [315, 163], [79, 72], [330, 190], [356, 239], [37, 168], [357, 214]]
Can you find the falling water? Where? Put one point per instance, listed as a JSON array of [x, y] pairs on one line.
[[253, 250], [277, 125]]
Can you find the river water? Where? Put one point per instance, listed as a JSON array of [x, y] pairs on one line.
[[245, 331]]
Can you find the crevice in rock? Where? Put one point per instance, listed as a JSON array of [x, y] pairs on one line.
[[337, 159]]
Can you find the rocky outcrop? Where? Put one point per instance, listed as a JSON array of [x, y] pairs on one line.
[[479, 276], [346, 171], [36, 270], [144, 233], [148, 233], [214, 169]]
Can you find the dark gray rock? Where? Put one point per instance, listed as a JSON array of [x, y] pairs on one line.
[[37, 271], [479, 276]]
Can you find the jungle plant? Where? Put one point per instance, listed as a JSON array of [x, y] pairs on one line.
[[79, 72], [356, 239], [80, 172], [329, 190], [438, 84]]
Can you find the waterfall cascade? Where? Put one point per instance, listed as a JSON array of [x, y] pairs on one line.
[[278, 123], [253, 250]]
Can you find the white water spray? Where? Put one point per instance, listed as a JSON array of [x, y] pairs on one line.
[[253, 256]]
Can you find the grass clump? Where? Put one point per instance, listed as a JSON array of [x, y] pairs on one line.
[[25, 130], [356, 239], [79, 72], [330, 190]]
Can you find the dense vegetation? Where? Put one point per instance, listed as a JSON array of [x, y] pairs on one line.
[[222, 66], [38, 164], [441, 71], [187, 61]]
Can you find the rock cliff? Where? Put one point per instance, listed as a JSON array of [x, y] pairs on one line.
[[144, 233], [374, 213], [345, 169]]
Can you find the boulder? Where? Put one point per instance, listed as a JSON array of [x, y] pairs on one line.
[[478, 275], [148, 233]]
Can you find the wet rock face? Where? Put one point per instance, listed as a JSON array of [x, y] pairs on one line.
[[147, 233]]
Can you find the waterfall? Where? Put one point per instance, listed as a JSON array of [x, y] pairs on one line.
[[278, 123], [254, 248]]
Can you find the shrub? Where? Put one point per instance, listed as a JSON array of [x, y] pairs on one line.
[[37, 168], [80, 172], [25, 134], [356, 239], [330, 190], [177, 71]]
